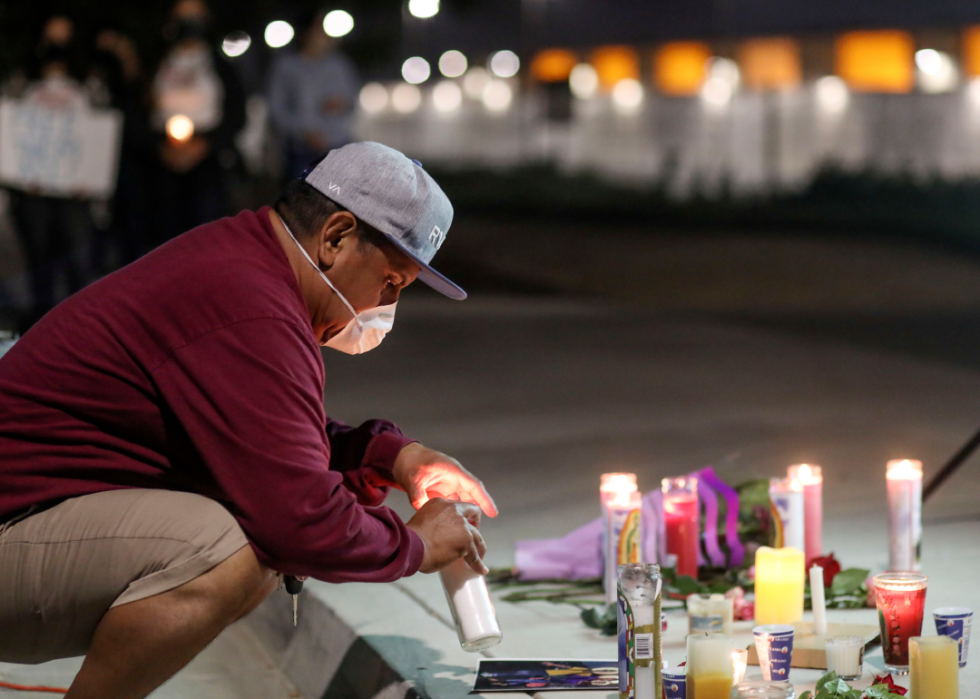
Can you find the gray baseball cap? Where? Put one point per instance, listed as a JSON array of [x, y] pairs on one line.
[[393, 194]]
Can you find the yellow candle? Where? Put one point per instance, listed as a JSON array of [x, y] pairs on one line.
[[779, 575], [709, 666], [934, 668]]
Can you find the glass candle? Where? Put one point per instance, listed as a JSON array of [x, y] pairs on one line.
[[639, 626], [471, 607], [845, 656], [681, 520], [779, 576], [901, 599], [788, 519], [904, 515], [709, 666], [811, 478], [740, 660], [934, 668], [710, 613], [762, 690], [621, 516]]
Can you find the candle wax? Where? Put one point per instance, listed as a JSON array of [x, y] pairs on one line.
[[471, 607], [900, 616], [819, 604], [779, 576], [710, 686], [934, 668], [813, 519], [681, 519]]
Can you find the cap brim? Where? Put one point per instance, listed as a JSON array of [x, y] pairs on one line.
[[431, 278]]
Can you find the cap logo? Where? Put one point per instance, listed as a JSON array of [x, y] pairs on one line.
[[436, 236], [334, 188]]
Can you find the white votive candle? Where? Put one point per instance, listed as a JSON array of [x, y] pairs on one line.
[[845, 656], [471, 607], [818, 602]]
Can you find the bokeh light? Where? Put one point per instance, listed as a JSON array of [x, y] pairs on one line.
[[416, 70], [180, 128], [832, 94], [423, 9], [475, 81], [452, 64], [338, 23], [497, 96], [235, 44], [373, 98], [505, 64], [627, 96], [406, 98], [937, 71], [278, 34], [583, 81], [446, 96]]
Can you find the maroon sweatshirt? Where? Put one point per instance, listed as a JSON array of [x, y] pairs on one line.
[[196, 369]]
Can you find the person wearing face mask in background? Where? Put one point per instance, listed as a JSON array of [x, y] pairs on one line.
[[179, 403], [195, 82]]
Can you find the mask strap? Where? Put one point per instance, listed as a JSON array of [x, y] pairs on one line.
[[319, 271]]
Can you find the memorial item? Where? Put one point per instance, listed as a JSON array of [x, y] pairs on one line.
[[817, 601], [904, 515], [740, 661], [774, 646], [710, 613], [810, 651], [762, 690], [680, 496], [709, 666], [640, 629], [811, 478], [830, 686], [779, 585], [788, 519], [621, 507], [471, 607], [901, 599], [934, 667], [518, 675], [845, 656], [675, 683], [955, 622]]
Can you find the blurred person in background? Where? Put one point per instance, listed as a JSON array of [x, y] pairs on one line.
[[312, 93], [195, 82], [55, 232]]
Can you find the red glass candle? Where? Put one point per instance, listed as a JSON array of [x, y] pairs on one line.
[[901, 599], [682, 522]]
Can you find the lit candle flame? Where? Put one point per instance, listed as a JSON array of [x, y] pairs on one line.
[[807, 474], [620, 486], [904, 470], [180, 128], [739, 663]]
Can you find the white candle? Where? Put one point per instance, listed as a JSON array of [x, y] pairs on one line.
[[471, 607], [904, 515], [621, 507], [786, 496], [811, 478], [818, 602]]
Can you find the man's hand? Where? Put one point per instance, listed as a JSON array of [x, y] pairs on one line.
[[426, 473], [450, 531]]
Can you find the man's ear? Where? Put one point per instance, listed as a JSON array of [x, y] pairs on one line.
[[339, 231]]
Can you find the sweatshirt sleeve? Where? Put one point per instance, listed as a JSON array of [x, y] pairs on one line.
[[249, 397], [366, 455]]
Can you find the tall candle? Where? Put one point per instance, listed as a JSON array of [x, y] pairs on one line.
[[786, 500], [779, 576], [934, 667], [817, 601], [811, 478], [621, 509], [709, 666], [904, 515], [682, 522]]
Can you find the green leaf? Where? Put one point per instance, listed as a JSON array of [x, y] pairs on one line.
[[880, 691], [685, 585], [829, 678], [591, 618], [806, 695], [849, 582]]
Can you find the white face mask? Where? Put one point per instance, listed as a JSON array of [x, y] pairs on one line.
[[366, 330]]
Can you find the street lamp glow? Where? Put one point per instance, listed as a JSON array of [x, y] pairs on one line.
[[406, 98], [929, 61], [832, 95], [583, 81], [416, 70], [235, 44], [627, 96], [497, 96], [452, 64], [716, 92], [373, 98], [338, 23], [505, 64], [180, 128], [423, 9], [278, 34], [937, 71], [475, 81], [447, 97], [726, 70]]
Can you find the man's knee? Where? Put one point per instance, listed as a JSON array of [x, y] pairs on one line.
[[233, 588]]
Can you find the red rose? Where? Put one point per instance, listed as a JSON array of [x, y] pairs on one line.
[[830, 565], [890, 683]]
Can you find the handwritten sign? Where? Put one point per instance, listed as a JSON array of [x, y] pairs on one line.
[[58, 151]]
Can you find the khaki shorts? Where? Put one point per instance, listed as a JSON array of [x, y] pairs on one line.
[[62, 569]]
